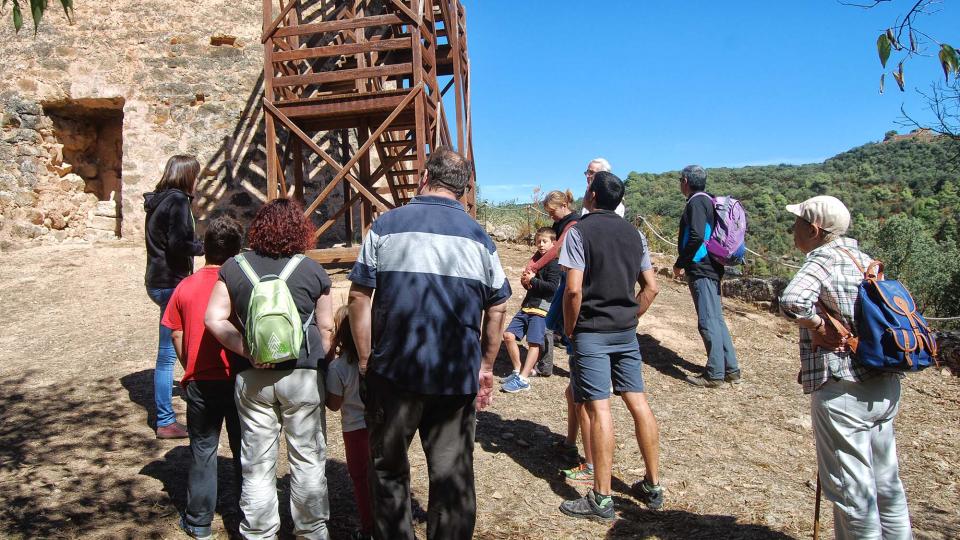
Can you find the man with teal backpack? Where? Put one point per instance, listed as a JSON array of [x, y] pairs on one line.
[[852, 406]]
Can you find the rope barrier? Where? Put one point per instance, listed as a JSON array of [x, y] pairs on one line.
[[658, 235]]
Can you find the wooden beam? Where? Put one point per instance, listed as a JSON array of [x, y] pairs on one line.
[[392, 70], [334, 255], [267, 32], [414, 17], [339, 25], [372, 196], [345, 49], [343, 172]]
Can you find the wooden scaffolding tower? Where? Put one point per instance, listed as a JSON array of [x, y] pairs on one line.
[[385, 71]]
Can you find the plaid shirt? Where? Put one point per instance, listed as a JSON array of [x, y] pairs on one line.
[[830, 276]]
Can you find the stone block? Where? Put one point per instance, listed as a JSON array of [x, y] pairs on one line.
[[28, 230], [106, 209], [73, 181], [219, 40], [101, 223], [23, 136], [63, 170]]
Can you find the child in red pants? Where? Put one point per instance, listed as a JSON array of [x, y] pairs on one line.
[[343, 394]]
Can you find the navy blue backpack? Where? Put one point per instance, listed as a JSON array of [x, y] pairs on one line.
[[891, 334]]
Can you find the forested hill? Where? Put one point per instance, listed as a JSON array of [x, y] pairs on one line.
[[904, 195]]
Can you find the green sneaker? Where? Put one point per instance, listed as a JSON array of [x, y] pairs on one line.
[[590, 506], [581, 474], [649, 494]]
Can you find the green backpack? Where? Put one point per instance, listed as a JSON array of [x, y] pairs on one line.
[[273, 330]]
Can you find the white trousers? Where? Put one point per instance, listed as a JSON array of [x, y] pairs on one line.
[[267, 400], [857, 457]]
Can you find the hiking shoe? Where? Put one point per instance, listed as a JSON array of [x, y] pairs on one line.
[[649, 494], [510, 377], [173, 431], [581, 474], [200, 533], [703, 382], [517, 384], [733, 378], [588, 507]]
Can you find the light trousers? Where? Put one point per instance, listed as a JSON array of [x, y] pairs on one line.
[[857, 457], [266, 400]]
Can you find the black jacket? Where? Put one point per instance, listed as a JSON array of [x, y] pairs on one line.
[[171, 244], [542, 287], [696, 225]]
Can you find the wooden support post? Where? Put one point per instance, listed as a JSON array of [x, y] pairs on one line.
[[363, 135], [297, 169], [271, 134]]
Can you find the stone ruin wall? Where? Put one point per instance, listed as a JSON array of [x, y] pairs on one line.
[[98, 106]]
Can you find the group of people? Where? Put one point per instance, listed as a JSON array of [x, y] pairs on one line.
[[413, 351]]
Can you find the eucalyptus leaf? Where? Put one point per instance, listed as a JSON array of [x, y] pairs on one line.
[[36, 11], [893, 39], [881, 82], [17, 17], [898, 76], [883, 49], [949, 60]]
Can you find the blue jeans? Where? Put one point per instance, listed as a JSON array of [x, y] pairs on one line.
[[166, 358], [721, 356]]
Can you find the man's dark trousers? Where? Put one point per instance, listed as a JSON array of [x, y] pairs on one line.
[[209, 405], [447, 427], [721, 356]]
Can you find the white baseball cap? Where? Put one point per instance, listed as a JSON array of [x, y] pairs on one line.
[[824, 211]]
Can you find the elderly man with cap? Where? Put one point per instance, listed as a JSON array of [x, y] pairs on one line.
[[852, 407]]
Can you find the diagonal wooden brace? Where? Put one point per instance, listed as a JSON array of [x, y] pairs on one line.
[[342, 172]]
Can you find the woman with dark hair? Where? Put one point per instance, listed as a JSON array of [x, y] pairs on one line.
[[171, 246], [288, 394]]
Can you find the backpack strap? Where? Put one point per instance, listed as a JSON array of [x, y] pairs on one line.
[[247, 269], [306, 325], [290, 266]]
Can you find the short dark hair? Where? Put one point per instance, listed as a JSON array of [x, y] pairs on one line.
[[449, 170], [223, 239], [607, 190], [547, 231], [695, 176]]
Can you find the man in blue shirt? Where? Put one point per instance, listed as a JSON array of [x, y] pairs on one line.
[[426, 344]]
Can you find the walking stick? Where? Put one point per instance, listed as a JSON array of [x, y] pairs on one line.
[[816, 513]]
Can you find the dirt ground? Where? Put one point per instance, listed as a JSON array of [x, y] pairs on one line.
[[78, 457]]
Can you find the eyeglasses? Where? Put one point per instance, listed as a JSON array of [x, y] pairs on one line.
[[588, 174]]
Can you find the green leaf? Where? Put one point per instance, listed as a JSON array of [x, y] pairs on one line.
[[36, 11], [17, 16], [949, 60], [883, 49], [881, 82]]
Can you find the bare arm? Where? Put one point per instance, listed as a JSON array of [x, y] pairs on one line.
[[217, 321], [360, 303], [334, 402], [649, 289], [572, 297], [177, 338], [323, 317], [490, 338]]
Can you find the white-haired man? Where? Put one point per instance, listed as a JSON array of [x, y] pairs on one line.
[[597, 165]]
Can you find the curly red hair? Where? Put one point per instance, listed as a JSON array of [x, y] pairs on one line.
[[280, 229]]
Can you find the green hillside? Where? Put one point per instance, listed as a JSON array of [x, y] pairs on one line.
[[904, 196]]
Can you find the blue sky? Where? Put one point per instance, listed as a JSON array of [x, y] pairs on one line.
[[656, 85]]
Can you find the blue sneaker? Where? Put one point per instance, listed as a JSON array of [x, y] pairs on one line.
[[517, 384], [510, 377]]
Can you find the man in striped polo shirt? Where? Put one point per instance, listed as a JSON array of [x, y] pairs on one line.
[[426, 344]]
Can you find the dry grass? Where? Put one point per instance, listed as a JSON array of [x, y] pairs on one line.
[[78, 457]]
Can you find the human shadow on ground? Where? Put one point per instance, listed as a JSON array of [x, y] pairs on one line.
[[66, 451], [665, 360], [139, 388], [532, 446], [172, 472], [636, 522]]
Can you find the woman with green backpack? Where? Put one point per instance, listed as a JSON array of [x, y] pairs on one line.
[[281, 301]]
